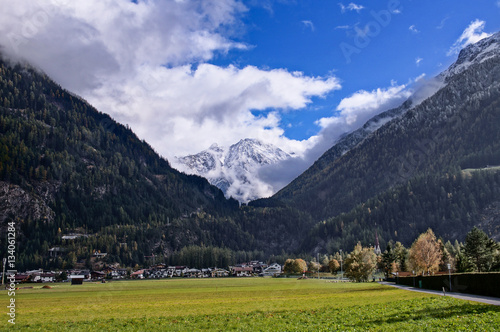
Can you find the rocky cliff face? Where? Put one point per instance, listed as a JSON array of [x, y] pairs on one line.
[[17, 203]]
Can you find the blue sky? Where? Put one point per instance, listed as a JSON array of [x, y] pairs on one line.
[[184, 74], [307, 36]]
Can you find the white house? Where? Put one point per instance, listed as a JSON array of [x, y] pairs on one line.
[[44, 277], [272, 270]]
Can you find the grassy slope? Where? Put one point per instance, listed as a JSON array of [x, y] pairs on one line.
[[242, 304]]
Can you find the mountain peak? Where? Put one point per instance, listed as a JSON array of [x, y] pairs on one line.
[[476, 53], [235, 169]]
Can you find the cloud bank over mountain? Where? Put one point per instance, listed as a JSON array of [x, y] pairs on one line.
[[168, 69], [146, 64]]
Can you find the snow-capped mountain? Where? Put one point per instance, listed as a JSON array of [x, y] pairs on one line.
[[235, 169], [473, 54], [454, 126], [477, 53], [250, 152]]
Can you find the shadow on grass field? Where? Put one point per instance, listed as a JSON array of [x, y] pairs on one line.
[[253, 304]]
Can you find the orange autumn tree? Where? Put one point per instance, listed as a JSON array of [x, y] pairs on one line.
[[295, 266], [425, 253]]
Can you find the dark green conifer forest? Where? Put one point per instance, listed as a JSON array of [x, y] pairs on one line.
[[67, 168]]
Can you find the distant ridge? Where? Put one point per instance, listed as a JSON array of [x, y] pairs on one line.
[[419, 139]]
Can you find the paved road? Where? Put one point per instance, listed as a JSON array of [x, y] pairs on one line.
[[468, 297]]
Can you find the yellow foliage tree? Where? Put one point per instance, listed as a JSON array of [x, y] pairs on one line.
[[360, 263], [334, 266], [425, 253], [295, 266]]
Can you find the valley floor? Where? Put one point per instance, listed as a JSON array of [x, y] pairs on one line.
[[252, 304]]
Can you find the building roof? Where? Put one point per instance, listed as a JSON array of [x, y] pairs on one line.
[[242, 268]]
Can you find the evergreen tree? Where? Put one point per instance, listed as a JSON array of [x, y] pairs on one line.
[[400, 255], [480, 250], [388, 260], [463, 263]]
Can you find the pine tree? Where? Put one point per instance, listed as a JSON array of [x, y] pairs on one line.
[[388, 259], [479, 249]]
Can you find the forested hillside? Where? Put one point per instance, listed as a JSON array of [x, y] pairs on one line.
[[459, 126], [67, 169], [77, 183], [451, 204]]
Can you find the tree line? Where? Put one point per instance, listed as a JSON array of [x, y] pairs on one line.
[[427, 255]]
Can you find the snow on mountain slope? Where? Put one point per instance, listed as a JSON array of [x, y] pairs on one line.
[[479, 52], [450, 127], [235, 169]]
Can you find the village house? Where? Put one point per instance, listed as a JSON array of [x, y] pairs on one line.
[[219, 273], [241, 271], [192, 273], [22, 277], [84, 275], [273, 270], [98, 254], [41, 276], [156, 273], [56, 252], [97, 275], [258, 267], [118, 273], [206, 273], [44, 277], [139, 274], [176, 271]]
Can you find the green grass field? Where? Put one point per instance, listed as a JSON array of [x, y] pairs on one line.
[[252, 304]]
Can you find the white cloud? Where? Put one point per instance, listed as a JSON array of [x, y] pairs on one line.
[[308, 24], [420, 77], [413, 29], [418, 60], [498, 3], [351, 113], [211, 101], [362, 105], [145, 65], [471, 35], [443, 22], [351, 7]]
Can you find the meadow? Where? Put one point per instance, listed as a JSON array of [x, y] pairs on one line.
[[251, 304]]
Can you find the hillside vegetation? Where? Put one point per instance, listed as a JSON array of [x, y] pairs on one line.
[[66, 168], [457, 127]]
